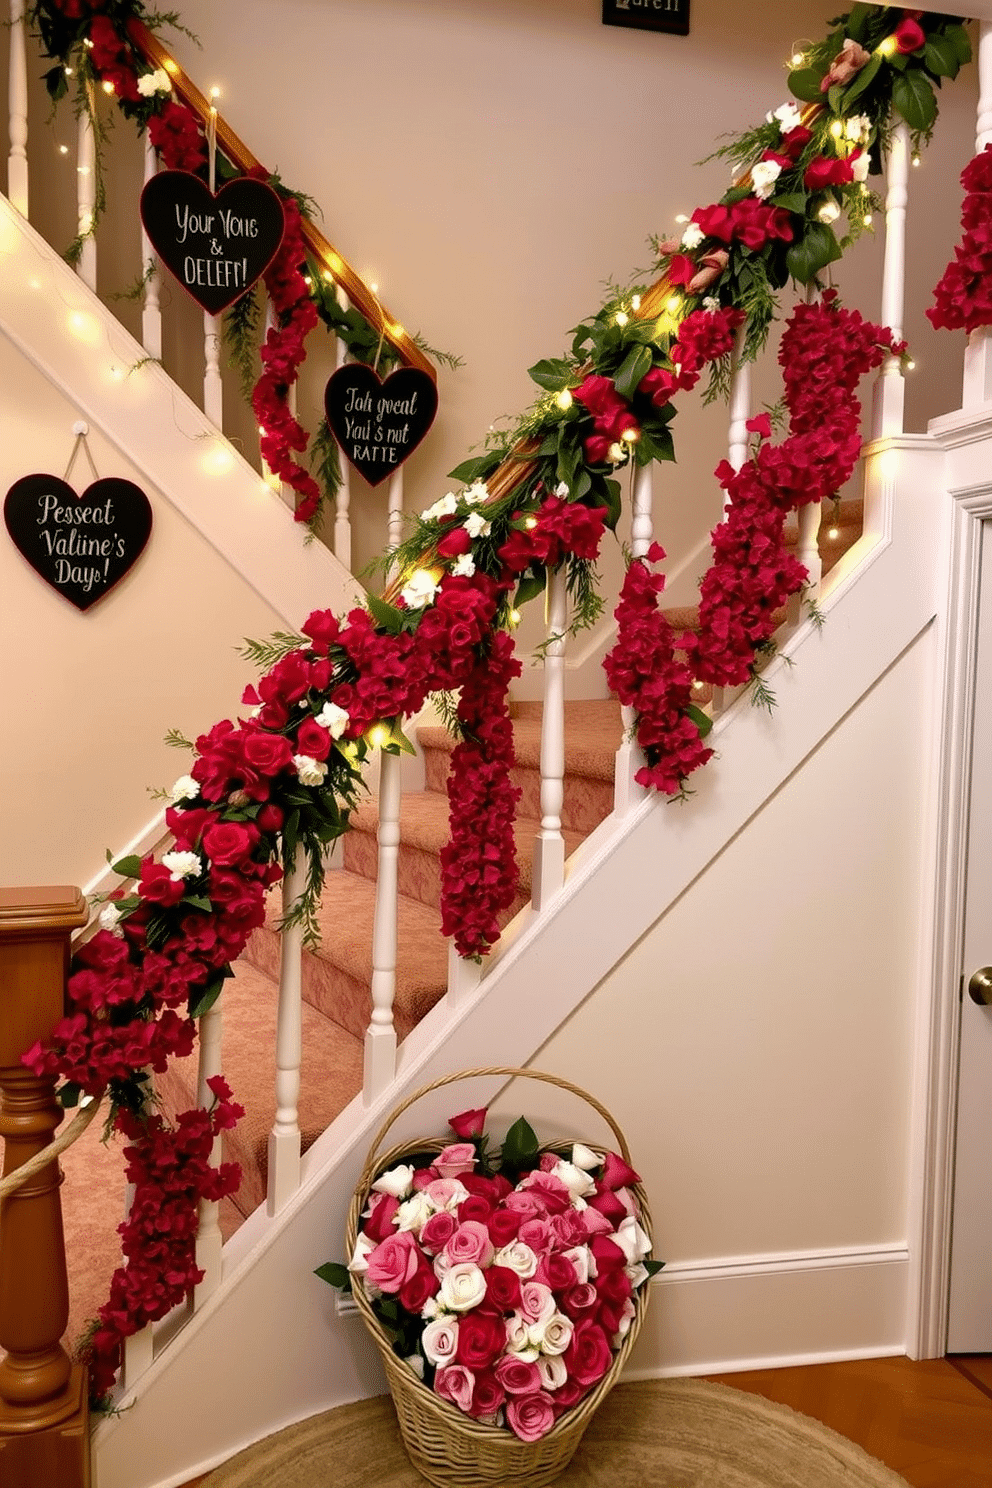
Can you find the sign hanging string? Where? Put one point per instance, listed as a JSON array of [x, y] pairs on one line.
[[80, 431]]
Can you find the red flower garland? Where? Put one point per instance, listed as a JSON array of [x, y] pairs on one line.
[[963, 298]]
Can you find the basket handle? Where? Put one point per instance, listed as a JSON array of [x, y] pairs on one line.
[[472, 1074]]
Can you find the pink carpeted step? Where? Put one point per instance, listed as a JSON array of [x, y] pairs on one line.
[[337, 977], [330, 1075], [423, 832]]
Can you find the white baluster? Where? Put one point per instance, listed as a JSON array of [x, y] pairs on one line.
[[889, 387], [268, 474], [737, 447], [549, 847], [394, 520], [380, 1037], [284, 1138], [808, 554], [463, 976], [342, 502], [86, 194], [213, 390], [978, 352], [630, 756], [17, 160], [151, 312], [139, 1348], [209, 1241]]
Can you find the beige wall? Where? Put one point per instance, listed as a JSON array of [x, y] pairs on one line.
[[89, 696]]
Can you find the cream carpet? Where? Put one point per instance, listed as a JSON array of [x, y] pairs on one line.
[[652, 1434]]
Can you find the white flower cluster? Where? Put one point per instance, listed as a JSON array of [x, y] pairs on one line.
[[788, 116], [422, 586], [310, 771], [763, 177], [419, 589], [333, 718], [154, 82], [182, 865], [185, 789]]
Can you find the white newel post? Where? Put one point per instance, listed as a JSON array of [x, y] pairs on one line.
[[86, 195], [549, 847], [394, 532], [889, 387], [209, 1241], [342, 501], [151, 312], [17, 159], [630, 756], [284, 1138], [978, 352], [213, 390], [380, 1037]]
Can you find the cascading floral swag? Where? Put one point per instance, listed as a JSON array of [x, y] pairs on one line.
[[963, 298], [282, 780]]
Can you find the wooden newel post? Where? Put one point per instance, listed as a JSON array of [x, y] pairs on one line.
[[44, 1425]]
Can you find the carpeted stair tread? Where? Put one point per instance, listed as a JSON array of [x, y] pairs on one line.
[[330, 1075]]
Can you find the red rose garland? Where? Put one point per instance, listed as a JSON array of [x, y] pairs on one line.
[[964, 295]]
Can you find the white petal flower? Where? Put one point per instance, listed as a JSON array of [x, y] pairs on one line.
[[185, 789], [333, 718], [476, 492], [439, 1341], [693, 236], [556, 1334], [518, 1257], [763, 177], [575, 1180], [788, 116], [446, 507], [463, 566], [309, 770], [579, 1256], [358, 1265], [632, 1240], [416, 1363], [463, 1287], [476, 525], [711, 303], [413, 1212], [584, 1157], [110, 918], [182, 865], [562, 490], [396, 1182], [154, 82], [859, 167], [553, 1371], [636, 1275], [419, 589], [857, 128]]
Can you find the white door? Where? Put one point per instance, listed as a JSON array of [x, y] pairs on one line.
[[970, 1314]]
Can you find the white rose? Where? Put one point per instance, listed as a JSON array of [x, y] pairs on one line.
[[632, 1240], [110, 918], [556, 1334], [585, 1158], [476, 492], [575, 1180], [430, 1309], [552, 1370], [309, 770], [518, 1337], [439, 1341], [788, 116], [463, 1287], [446, 507], [626, 1318], [763, 178], [182, 865], [518, 1257], [185, 789], [412, 1214], [693, 236], [579, 1256], [464, 566], [860, 166], [333, 718], [857, 128], [476, 525], [561, 490], [397, 1181], [637, 1275], [359, 1263], [419, 589], [154, 82]]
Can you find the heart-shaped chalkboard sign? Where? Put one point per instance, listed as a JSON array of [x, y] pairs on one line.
[[81, 545], [217, 246], [379, 424]]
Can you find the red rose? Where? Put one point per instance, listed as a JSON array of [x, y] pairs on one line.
[[579, 1300], [795, 142], [421, 1286], [454, 542], [380, 1222], [313, 739], [504, 1226], [502, 1288], [270, 818], [267, 753], [617, 1173], [476, 1207], [556, 1271], [589, 1355], [607, 1203], [825, 172], [909, 35], [609, 1256], [157, 884], [481, 1337], [488, 1395], [229, 843], [437, 1231]]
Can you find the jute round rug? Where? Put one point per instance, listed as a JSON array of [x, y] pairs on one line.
[[651, 1434]]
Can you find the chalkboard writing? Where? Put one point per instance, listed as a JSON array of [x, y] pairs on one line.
[[379, 424], [217, 246], [648, 15], [81, 545]]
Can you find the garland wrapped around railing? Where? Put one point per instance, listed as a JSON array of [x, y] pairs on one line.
[[283, 779]]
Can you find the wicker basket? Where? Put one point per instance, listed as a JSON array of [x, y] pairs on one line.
[[448, 1447]]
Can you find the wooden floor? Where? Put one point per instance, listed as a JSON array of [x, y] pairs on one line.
[[930, 1421]]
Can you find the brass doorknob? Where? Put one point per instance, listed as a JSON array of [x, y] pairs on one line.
[[980, 986]]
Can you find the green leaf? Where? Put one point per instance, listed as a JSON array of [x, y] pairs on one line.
[[940, 56], [960, 41], [635, 364], [55, 83], [653, 1267], [702, 720], [335, 1275], [198, 901], [815, 249], [470, 470], [611, 493], [736, 194], [861, 81], [529, 587], [835, 96], [913, 96], [854, 26], [804, 83], [521, 1142], [128, 867], [385, 614], [552, 373], [792, 201], [202, 999], [652, 446], [68, 1094]]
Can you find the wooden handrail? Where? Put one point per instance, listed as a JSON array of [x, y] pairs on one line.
[[44, 1418], [331, 261]]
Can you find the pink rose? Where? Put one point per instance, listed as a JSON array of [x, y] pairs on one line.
[[455, 1383], [379, 1224], [569, 1228], [393, 1262], [532, 1416], [909, 35], [446, 1193], [470, 1242], [536, 1301], [589, 1355], [469, 1123], [489, 1394], [579, 1299], [437, 1231], [525, 1203], [847, 63], [454, 1160], [518, 1376], [537, 1233]]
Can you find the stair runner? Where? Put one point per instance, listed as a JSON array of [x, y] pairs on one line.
[[337, 976]]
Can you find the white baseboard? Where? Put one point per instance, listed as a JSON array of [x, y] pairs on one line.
[[769, 1312]]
